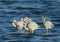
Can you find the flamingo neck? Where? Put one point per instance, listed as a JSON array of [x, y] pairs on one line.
[[14, 22], [44, 20], [25, 26]]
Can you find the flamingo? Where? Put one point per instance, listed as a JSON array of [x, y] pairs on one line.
[[32, 26], [19, 24], [27, 20], [48, 24], [27, 23]]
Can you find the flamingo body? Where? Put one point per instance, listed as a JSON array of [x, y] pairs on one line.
[[33, 26], [48, 25], [18, 24]]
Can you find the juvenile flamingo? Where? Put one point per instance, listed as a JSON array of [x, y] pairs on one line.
[[48, 24], [30, 25], [19, 24]]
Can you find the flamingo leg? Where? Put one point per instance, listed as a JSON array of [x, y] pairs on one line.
[[47, 31]]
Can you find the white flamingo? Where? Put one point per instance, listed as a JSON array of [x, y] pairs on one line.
[[27, 23], [19, 24], [32, 26], [27, 20], [48, 24]]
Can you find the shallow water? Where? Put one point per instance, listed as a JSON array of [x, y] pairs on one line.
[[34, 9]]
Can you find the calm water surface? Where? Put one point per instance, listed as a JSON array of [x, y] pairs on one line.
[[34, 9]]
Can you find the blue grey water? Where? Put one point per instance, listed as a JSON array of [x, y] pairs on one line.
[[34, 9]]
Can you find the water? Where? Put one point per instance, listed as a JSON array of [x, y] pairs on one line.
[[34, 9]]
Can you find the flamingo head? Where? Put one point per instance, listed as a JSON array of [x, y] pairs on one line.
[[44, 18], [27, 20]]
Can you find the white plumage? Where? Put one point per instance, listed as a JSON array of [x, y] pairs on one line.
[[19, 24], [14, 23], [27, 20], [33, 26], [47, 24], [27, 23], [30, 25]]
